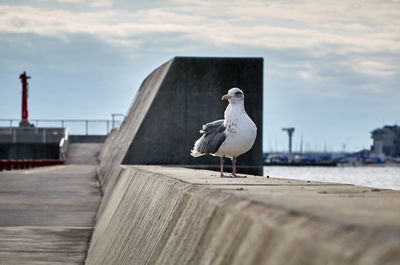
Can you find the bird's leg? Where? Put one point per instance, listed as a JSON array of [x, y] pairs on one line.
[[234, 169], [222, 167]]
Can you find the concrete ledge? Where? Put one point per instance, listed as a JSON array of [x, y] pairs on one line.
[[165, 215]]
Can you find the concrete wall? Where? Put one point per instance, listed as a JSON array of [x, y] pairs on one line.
[[29, 151], [151, 217], [170, 107], [172, 104], [30, 135], [83, 153], [190, 96], [30, 142], [117, 144], [87, 138]]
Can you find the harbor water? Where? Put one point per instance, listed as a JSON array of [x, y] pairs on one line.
[[369, 176]]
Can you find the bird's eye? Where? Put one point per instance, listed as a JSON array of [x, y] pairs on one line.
[[238, 93]]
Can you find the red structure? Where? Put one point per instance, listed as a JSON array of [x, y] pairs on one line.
[[28, 163], [24, 117]]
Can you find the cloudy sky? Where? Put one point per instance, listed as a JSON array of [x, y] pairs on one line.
[[331, 68]]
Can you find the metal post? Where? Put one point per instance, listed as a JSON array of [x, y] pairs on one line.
[[86, 126], [62, 123], [108, 126], [290, 133], [14, 136], [113, 118], [24, 113]]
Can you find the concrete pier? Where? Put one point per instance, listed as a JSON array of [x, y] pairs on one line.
[[169, 215], [47, 214], [165, 214]]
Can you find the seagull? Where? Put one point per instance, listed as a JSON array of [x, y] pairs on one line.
[[230, 137]]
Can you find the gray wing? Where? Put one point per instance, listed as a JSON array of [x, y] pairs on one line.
[[213, 137]]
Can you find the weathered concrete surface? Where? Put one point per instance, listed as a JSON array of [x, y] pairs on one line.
[[190, 96], [342, 203], [172, 104], [115, 149], [47, 214], [108, 141], [165, 215], [83, 153]]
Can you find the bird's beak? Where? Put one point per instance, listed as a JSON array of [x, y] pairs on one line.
[[226, 97]]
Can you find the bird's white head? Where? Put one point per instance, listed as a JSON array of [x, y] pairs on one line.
[[235, 95]]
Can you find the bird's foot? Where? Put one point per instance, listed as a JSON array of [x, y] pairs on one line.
[[232, 176], [237, 176]]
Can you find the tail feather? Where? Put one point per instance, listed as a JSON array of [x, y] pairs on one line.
[[195, 152]]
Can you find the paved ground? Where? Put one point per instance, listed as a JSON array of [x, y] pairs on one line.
[[83, 153], [47, 214]]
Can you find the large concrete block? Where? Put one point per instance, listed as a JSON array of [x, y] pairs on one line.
[[117, 143], [188, 96], [166, 215]]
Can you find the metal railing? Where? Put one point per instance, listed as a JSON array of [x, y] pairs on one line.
[[76, 126]]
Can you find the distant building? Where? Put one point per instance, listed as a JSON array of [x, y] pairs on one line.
[[386, 141]]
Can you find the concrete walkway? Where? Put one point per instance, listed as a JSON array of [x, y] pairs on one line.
[[344, 204], [83, 153], [163, 215], [47, 214]]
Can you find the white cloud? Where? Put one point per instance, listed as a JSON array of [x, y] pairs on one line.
[[71, 1], [372, 67], [305, 25], [102, 3], [320, 28], [305, 75]]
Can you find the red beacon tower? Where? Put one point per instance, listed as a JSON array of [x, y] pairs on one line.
[[24, 115]]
